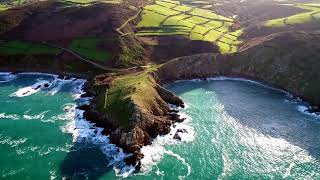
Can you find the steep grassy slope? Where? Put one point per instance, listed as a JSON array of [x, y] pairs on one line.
[[26, 48], [286, 60], [87, 47], [312, 16], [88, 31]]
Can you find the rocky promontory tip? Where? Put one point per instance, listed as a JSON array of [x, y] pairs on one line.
[[145, 110]]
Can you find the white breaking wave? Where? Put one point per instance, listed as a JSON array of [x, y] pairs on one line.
[[57, 84], [155, 152], [11, 116], [53, 86], [275, 149], [85, 131], [4, 140], [304, 110], [53, 175], [38, 73], [7, 77], [81, 129], [29, 90], [38, 116]]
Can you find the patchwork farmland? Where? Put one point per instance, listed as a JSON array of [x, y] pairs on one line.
[[174, 18], [313, 15]]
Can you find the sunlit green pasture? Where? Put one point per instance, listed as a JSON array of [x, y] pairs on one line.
[[89, 2], [167, 17], [3, 7], [306, 17]]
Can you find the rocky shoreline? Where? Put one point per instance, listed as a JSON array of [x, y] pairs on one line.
[[149, 114], [147, 126], [132, 140], [156, 117]]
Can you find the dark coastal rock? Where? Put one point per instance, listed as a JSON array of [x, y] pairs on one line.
[[176, 117], [134, 159], [46, 85], [177, 137], [38, 87], [182, 131], [169, 97]]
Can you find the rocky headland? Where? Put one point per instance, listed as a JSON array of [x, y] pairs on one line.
[[130, 102]]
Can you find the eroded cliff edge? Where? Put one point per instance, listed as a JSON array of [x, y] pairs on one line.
[[289, 61], [137, 107]]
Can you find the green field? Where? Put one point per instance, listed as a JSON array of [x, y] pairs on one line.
[[89, 2], [306, 17], [125, 90], [26, 48], [87, 47], [3, 7], [173, 18]]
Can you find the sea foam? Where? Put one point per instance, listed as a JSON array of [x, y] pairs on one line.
[[7, 77], [85, 131], [81, 129], [304, 109], [155, 152], [29, 90], [9, 116]]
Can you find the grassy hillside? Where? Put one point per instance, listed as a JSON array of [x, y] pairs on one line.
[[26, 48], [173, 18], [87, 47], [312, 16], [89, 2]]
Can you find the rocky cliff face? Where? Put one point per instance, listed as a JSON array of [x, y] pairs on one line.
[[147, 123], [289, 61], [133, 109]]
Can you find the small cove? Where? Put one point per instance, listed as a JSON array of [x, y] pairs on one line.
[[233, 130]]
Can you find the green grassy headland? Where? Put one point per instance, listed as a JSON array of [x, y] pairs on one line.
[[125, 91]]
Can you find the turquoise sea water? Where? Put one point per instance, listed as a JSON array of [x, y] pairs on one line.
[[43, 135], [237, 130], [233, 130]]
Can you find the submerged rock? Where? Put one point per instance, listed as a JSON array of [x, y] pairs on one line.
[[177, 136], [182, 131], [46, 85]]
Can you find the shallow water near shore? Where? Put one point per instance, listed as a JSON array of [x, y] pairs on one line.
[[233, 130], [44, 136], [238, 129]]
